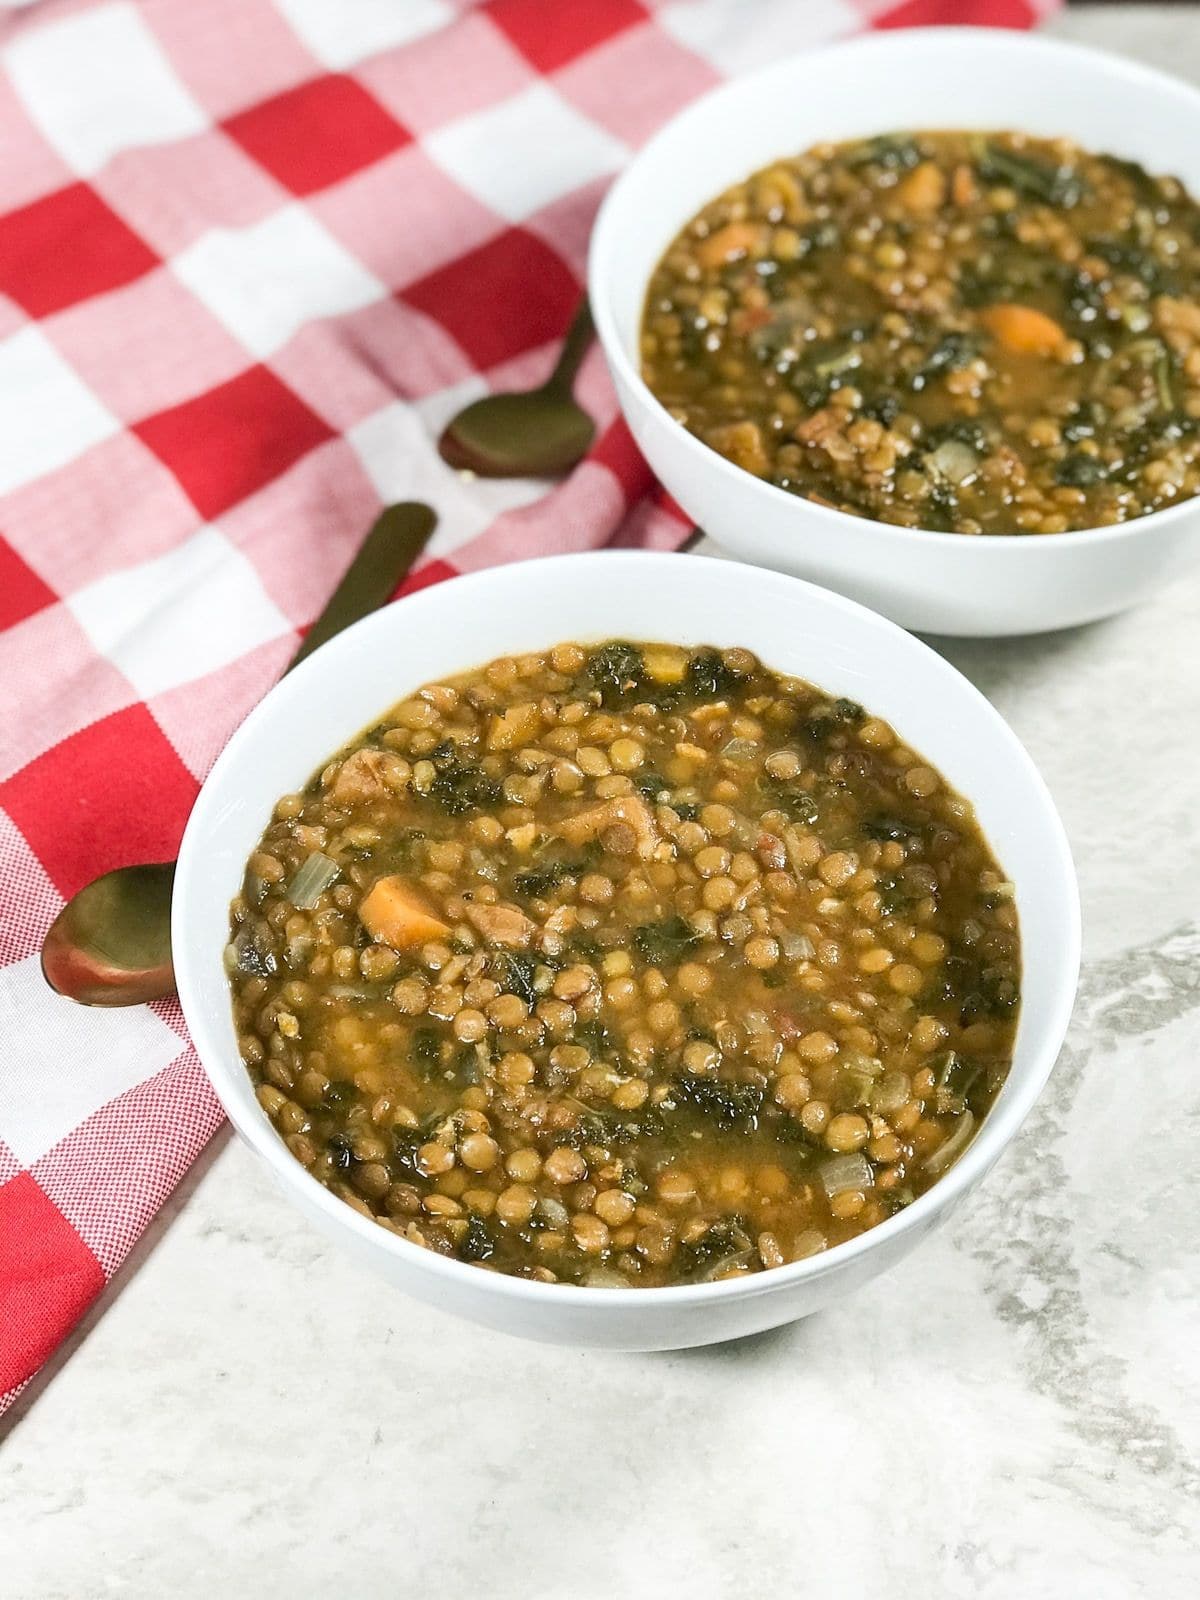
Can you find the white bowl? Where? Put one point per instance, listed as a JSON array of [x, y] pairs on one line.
[[795, 628], [910, 78]]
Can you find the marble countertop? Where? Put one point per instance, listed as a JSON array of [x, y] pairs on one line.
[[1014, 1412]]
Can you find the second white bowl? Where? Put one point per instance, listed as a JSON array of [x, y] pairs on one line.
[[911, 78]]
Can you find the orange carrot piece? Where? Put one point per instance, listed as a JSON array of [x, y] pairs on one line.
[[924, 189], [733, 240], [1023, 330], [518, 725], [962, 186], [398, 912]]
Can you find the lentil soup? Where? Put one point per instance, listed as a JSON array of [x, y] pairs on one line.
[[625, 965], [962, 332]]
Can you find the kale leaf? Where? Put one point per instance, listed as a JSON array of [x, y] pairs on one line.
[[1083, 421], [893, 896], [591, 1032], [665, 943], [1036, 180], [618, 671], [953, 350], [477, 1243], [819, 725], [459, 785], [884, 409], [798, 804], [341, 1092], [727, 1105], [515, 972], [537, 882], [979, 991], [339, 1153], [897, 152], [650, 785], [1134, 261], [884, 828], [954, 1072], [708, 678], [962, 430], [425, 1049], [726, 1240], [1079, 471]]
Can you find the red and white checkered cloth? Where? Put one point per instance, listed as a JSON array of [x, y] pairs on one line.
[[252, 256]]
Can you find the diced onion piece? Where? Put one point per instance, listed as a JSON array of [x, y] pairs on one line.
[[251, 959], [797, 946], [955, 461], [855, 1061], [854, 1087], [744, 832], [809, 1243], [739, 750], [847, 1172], [605, 1278], [947, 1153], [723, 1264], [312, 878], [554, 1212], [891, 1093], [857, 1074]]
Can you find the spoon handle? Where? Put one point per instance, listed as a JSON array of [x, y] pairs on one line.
[[575, 346], [387, 554]]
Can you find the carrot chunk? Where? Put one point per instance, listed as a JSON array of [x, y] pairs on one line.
[[962, 186], [398, 912], [728, 243], [518, 725], [1022, 329], [924, 189]]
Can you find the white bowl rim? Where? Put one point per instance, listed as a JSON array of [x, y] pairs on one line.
[[996, 1129], [888, 41]]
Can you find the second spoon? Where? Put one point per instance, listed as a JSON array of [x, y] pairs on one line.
[[540, 433]]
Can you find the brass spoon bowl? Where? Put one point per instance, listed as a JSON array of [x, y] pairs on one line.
[[540, 433], [110, 945]]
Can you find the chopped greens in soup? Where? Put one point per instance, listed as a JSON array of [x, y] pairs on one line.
[[965, 332]]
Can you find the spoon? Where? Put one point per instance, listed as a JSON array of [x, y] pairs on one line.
[[540, 433], [110, 945]]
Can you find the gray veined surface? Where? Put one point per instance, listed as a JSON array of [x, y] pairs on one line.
[[1026, 1233]]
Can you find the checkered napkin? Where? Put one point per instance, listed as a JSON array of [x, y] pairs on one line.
[[252, 256]]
